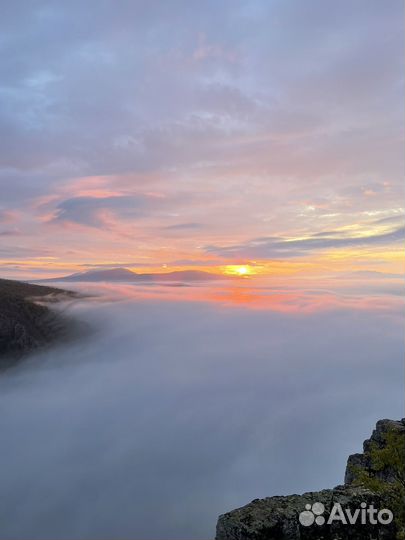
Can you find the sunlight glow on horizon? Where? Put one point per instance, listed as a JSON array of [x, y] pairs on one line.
[[242, 271], [381, 259]]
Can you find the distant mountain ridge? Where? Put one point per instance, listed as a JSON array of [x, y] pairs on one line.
[[125, 275]]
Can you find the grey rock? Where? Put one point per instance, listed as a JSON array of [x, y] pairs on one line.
[[278, 518], [363, 461], [26, 323]]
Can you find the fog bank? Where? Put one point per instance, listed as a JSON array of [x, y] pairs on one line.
[[173, 412]]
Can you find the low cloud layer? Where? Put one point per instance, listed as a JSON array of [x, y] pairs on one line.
[[174, 412]]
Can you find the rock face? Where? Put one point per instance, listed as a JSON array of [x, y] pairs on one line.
[[304, 517], [377, 437], [278, 518], [25, 324]]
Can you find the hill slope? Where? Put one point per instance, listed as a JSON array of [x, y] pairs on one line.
[[25, 324]]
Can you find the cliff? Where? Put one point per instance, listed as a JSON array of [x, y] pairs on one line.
[[26, 324], [378, 440], [373, 480]]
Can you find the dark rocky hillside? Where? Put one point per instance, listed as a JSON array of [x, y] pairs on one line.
[[26, 324], [375, 477]]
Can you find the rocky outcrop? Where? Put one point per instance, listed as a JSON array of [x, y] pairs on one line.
[[363, 461], [26, 324], [323, 515], [278, 518]]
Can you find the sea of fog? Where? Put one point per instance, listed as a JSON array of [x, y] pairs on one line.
[[181, 403]]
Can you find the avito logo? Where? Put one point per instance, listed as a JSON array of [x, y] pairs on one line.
[[365, 514]]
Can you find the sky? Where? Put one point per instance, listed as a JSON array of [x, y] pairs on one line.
[[208, 135]]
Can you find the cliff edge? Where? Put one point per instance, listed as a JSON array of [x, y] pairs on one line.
[[26, 323], [368, 506]]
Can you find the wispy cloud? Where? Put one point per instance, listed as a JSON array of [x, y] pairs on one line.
[[10, 232], [184, 227], [90, 211], [277, 247]]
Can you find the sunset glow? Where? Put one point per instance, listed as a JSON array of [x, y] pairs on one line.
[[236, 170], [239, 270]]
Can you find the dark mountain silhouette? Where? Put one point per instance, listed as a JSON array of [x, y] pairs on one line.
[[125, 275], [112, 274]]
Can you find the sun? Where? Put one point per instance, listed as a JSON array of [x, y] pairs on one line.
[[242, 270], [237, 270]]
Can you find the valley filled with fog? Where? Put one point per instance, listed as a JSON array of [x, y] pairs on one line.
[[181, 403]]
